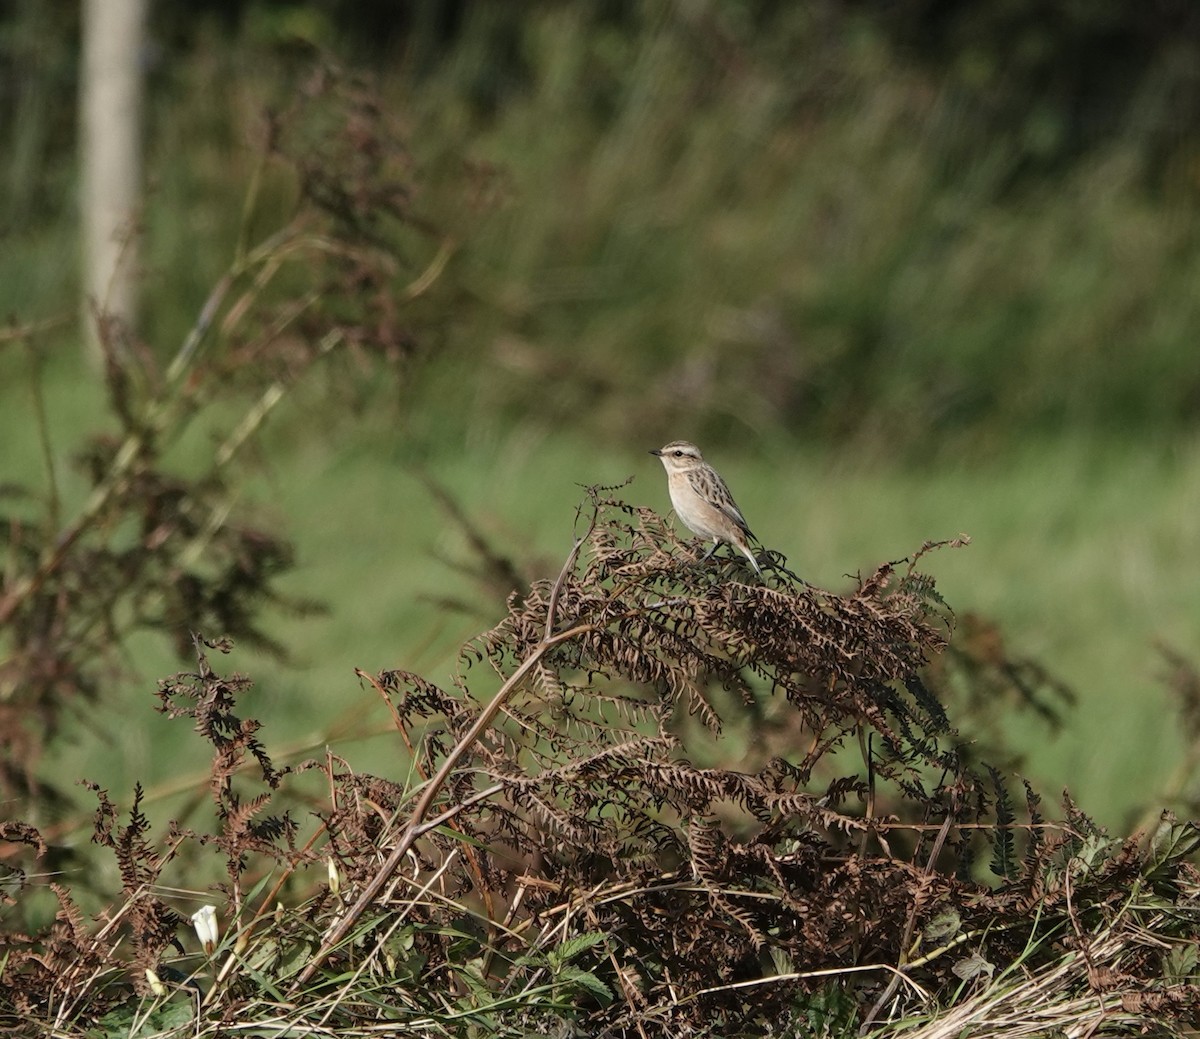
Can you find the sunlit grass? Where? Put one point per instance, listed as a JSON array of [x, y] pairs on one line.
[[1078, 552]]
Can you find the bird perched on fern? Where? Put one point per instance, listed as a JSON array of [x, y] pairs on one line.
[[702, 499]]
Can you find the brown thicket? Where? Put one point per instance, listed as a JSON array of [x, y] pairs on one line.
[[552, 858]]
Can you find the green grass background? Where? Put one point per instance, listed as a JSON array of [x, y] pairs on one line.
[[876, 329], [1076, 551]]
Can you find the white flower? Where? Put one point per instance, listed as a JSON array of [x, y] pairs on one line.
[[208, 931]]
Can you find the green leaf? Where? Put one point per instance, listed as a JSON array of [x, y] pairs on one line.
[[1095, 850], [945, 925], [1003, 862], [1172, 840], [588, 981], [168, 1017], [972, 966], [781, 961], [572, 947], [1179, 966], [472, 973]]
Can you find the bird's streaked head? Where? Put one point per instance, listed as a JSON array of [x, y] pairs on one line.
[[679, 455]]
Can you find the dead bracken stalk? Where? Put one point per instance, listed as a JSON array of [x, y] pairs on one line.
[[416, 825]]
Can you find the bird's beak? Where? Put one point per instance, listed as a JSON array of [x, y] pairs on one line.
[[659, 453]]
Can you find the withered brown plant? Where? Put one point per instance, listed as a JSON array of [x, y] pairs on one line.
[[73, 971], [345, 286], [552, 857], [570, 803]]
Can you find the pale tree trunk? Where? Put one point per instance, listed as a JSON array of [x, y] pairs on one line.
[[110, 105]]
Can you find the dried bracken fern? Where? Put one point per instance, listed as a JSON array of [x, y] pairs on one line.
[[579, 793], [563, 863]]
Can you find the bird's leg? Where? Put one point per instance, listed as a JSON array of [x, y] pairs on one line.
[[711, 549]]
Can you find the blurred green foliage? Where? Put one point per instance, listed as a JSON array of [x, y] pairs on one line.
[[906, 227]]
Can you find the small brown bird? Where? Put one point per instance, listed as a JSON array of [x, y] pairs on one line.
[[702, 499]]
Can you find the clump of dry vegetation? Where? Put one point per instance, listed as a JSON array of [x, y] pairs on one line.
[[550, 859]]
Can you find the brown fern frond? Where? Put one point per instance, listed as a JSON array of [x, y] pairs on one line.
[[22, 833], [709, 861]]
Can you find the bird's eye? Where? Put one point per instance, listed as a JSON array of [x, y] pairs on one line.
[[678, 454]]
